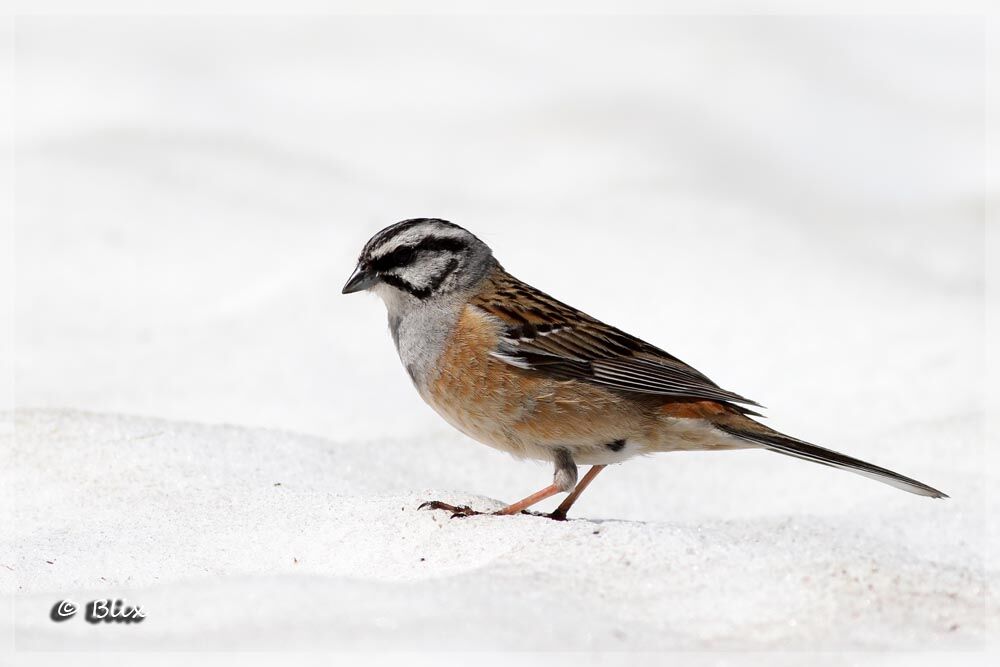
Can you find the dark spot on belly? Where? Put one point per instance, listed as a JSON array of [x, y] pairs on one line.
[[616, 446]]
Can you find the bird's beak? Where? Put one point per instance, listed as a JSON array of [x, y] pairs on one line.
[[359, 280]]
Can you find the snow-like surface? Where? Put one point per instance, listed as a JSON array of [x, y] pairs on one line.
[[790, 204], [219, 529]]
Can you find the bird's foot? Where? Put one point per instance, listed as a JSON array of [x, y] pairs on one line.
[[456, 511], [555, 516], [465, 510]]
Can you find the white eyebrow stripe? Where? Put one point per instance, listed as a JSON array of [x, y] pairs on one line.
[[413, 235]]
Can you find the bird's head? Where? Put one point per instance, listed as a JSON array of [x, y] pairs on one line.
[[419, 260]]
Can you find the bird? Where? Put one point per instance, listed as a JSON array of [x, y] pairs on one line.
[[517, 370]]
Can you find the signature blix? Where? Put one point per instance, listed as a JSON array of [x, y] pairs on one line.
[[98, 611]]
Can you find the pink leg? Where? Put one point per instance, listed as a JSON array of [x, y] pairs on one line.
[[560, 513], [522, 505]]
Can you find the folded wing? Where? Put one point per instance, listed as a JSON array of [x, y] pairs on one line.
[[547, 336]]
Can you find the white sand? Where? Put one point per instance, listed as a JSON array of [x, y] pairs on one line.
[[799, 220], [190, 521]]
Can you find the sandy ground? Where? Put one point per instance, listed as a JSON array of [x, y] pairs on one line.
[[219, 529], [793, 206]]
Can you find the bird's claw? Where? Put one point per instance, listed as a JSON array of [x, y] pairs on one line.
[[465, 510], [456, 510]]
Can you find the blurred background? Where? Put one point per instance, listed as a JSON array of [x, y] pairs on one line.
[[793, 205]]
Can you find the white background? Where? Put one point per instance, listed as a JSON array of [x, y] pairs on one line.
[[793, 204]]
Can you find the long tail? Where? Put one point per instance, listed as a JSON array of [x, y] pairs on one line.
[[778, 442]]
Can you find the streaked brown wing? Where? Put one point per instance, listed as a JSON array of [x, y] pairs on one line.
[[548, 336]]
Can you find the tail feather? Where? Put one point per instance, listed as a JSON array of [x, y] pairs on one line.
[[783, 444]]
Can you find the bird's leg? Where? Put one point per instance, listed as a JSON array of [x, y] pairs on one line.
[[560, 513], [562, 480], [525, 503]]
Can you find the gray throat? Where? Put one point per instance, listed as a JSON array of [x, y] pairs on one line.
[[420, 330], [421, 327]]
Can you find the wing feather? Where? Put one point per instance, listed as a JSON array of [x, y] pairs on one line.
[[547, 336]]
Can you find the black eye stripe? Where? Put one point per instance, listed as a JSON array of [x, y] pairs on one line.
[[398, 257], [404, 255], [404, 285], [439, 243]]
